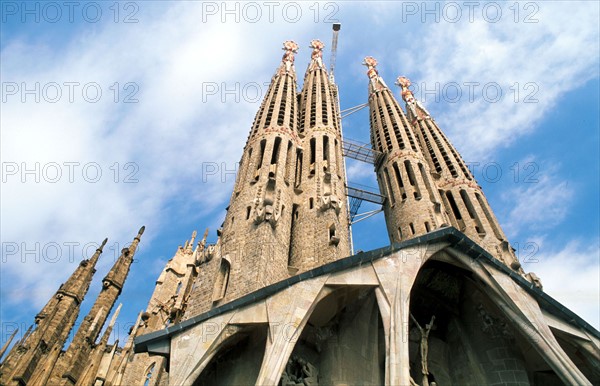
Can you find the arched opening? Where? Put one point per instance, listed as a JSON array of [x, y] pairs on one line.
[[342, 343], [238, 360], [459, 336], [149, 372]]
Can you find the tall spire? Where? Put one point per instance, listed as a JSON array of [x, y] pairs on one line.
[[463, 199], [253, 246], [70, 366], [37, 352], [413, 204], [320, 223]]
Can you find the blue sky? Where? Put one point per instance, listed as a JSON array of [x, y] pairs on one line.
[[180, 83]]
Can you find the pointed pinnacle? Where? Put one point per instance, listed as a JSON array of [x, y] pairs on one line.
[[141, 231], [115, 316], [103, 244]]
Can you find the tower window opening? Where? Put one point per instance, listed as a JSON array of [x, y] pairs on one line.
[[386, 175], [333, 237], [338, 158], [178, 288], [310, 203], [275, 153], [427, 226], [248, 210], [412, 179], [292, 234], [232, 220], [453, 205], [288, 162], [325, 148], [472, 212], [400, 233], [263, 144], [399, 181], [412, 228], [313, 154], [298, 176], [222, 281]]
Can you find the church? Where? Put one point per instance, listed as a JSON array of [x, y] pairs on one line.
[[280, 298]]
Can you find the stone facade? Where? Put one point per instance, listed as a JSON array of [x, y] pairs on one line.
[[279, 299]]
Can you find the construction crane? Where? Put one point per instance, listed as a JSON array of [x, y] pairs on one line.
[[336, 29]]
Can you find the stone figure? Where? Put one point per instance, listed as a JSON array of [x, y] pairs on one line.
[[317, 53], [424, 347]]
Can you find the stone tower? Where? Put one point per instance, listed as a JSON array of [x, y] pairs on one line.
[[255, 238], [72, 363], [463, 199], [288, 212], [32, 359], [413, 205], [320, 229]]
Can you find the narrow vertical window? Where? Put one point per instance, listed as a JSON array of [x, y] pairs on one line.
[[412, 179], [298, 177], [427, 226], [453, 205], [472, 212], [325, 148], [275, 153], [399, 181], [313, 154], [292, 234], [288, 162], [412, 228], [386, 175], [310, 203], [248, 210], [220, 288], [178, 288], [333, 237], [263, 144]]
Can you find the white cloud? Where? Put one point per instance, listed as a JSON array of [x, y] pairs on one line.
[[539, 205], [169, 134], [547, 59], [571, 275]]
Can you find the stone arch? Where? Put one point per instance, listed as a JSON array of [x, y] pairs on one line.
[[342, 342], [235, 360], [481, 334]]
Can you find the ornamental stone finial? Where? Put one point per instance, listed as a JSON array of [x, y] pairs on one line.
[[377, 83]]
